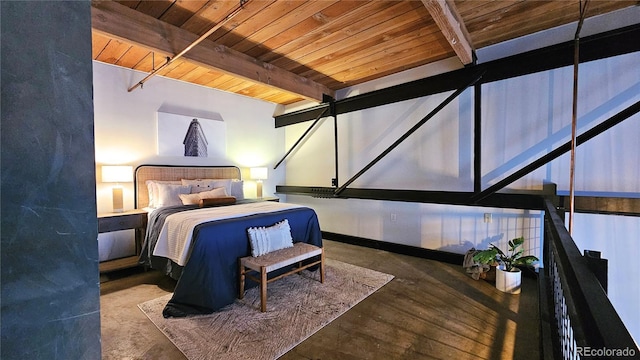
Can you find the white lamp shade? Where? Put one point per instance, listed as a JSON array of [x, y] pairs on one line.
[[117, 174], [258, 173]]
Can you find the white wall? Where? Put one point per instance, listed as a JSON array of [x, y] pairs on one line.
[[616, 237], [126, 126]]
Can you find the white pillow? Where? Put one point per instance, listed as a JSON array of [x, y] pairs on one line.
[[194, 199], [152, 189], [237, 189], [169, 194], [267, 239], [199, 185]]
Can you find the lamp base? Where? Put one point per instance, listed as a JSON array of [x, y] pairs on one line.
[[118, 203], [259, 189]]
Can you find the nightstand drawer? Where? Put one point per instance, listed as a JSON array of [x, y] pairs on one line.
[[121, 222], [133, 219]]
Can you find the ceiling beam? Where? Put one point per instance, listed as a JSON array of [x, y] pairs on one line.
[[114, 20], [446, 16]]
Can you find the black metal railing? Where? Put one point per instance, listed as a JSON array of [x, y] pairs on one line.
[[583, 322]]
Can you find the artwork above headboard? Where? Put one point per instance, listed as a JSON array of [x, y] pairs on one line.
[[177, 173]]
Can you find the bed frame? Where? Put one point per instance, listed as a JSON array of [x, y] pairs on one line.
[[176, 173]]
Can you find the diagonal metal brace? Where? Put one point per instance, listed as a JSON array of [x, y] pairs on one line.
[[320, 116], [566, 147], [474, 80]]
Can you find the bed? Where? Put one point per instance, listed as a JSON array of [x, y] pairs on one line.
[[206, 268]]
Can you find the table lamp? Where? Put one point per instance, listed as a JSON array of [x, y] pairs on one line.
[[258, 174], [117, 174]]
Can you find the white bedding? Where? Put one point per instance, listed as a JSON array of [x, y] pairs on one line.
[[174, 240]]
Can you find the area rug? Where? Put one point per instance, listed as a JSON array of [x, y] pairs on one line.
[[297, 307]]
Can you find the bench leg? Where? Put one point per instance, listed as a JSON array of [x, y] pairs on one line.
[[322, 266], [241, 277], [263, 289]]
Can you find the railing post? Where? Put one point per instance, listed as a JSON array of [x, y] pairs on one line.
[[598, 266]]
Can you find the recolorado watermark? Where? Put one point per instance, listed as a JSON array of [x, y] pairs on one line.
[[599, 352]]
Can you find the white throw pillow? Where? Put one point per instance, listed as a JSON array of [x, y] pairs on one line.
[[267, 239], [200, 185], [194, 199], [169, 194]]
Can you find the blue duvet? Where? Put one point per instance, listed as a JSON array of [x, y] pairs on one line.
[[209, 279]]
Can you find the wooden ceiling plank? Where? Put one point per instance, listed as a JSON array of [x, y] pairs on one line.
[[152, 61], [308, 25], [263, 92], [274, 28], [547, 15], [282, 98], [453, 28], [478, 8], [257, 21], [113, 51], [339, 34], [211, 13], [132, 57], [510, 21], [340, 24], [382, 49], [98, 42], [208, 77], [145, 63], [181, 70], [602, 7], [403, 61], [182, 10], [279, 97], [219, 81], [227, 82], [381, 35], [390, 61], [168, 68], [194, 74], [387, 60], [237, 85], [122, 22], [154, 8], [217, 12], [129, 3]]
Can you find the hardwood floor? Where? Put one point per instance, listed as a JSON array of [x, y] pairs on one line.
[[430, 310]]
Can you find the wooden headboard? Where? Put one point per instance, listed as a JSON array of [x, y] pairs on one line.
[[176, 173]]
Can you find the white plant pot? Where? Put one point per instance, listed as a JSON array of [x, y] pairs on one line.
[[508, 281]]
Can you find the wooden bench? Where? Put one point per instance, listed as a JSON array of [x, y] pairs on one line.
[[277, 260]]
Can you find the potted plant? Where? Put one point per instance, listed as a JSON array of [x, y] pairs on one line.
[[508, 275]]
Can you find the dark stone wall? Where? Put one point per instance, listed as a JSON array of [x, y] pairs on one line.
[[50, 294]]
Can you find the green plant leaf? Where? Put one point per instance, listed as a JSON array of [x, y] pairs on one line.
[[526, 260], [517, 254], [498, 251], [485, 256], [517, 241]]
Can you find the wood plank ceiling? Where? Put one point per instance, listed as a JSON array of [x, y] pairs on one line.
[[286, 51]]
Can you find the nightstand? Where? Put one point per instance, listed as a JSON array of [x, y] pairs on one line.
[[133, 219]]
